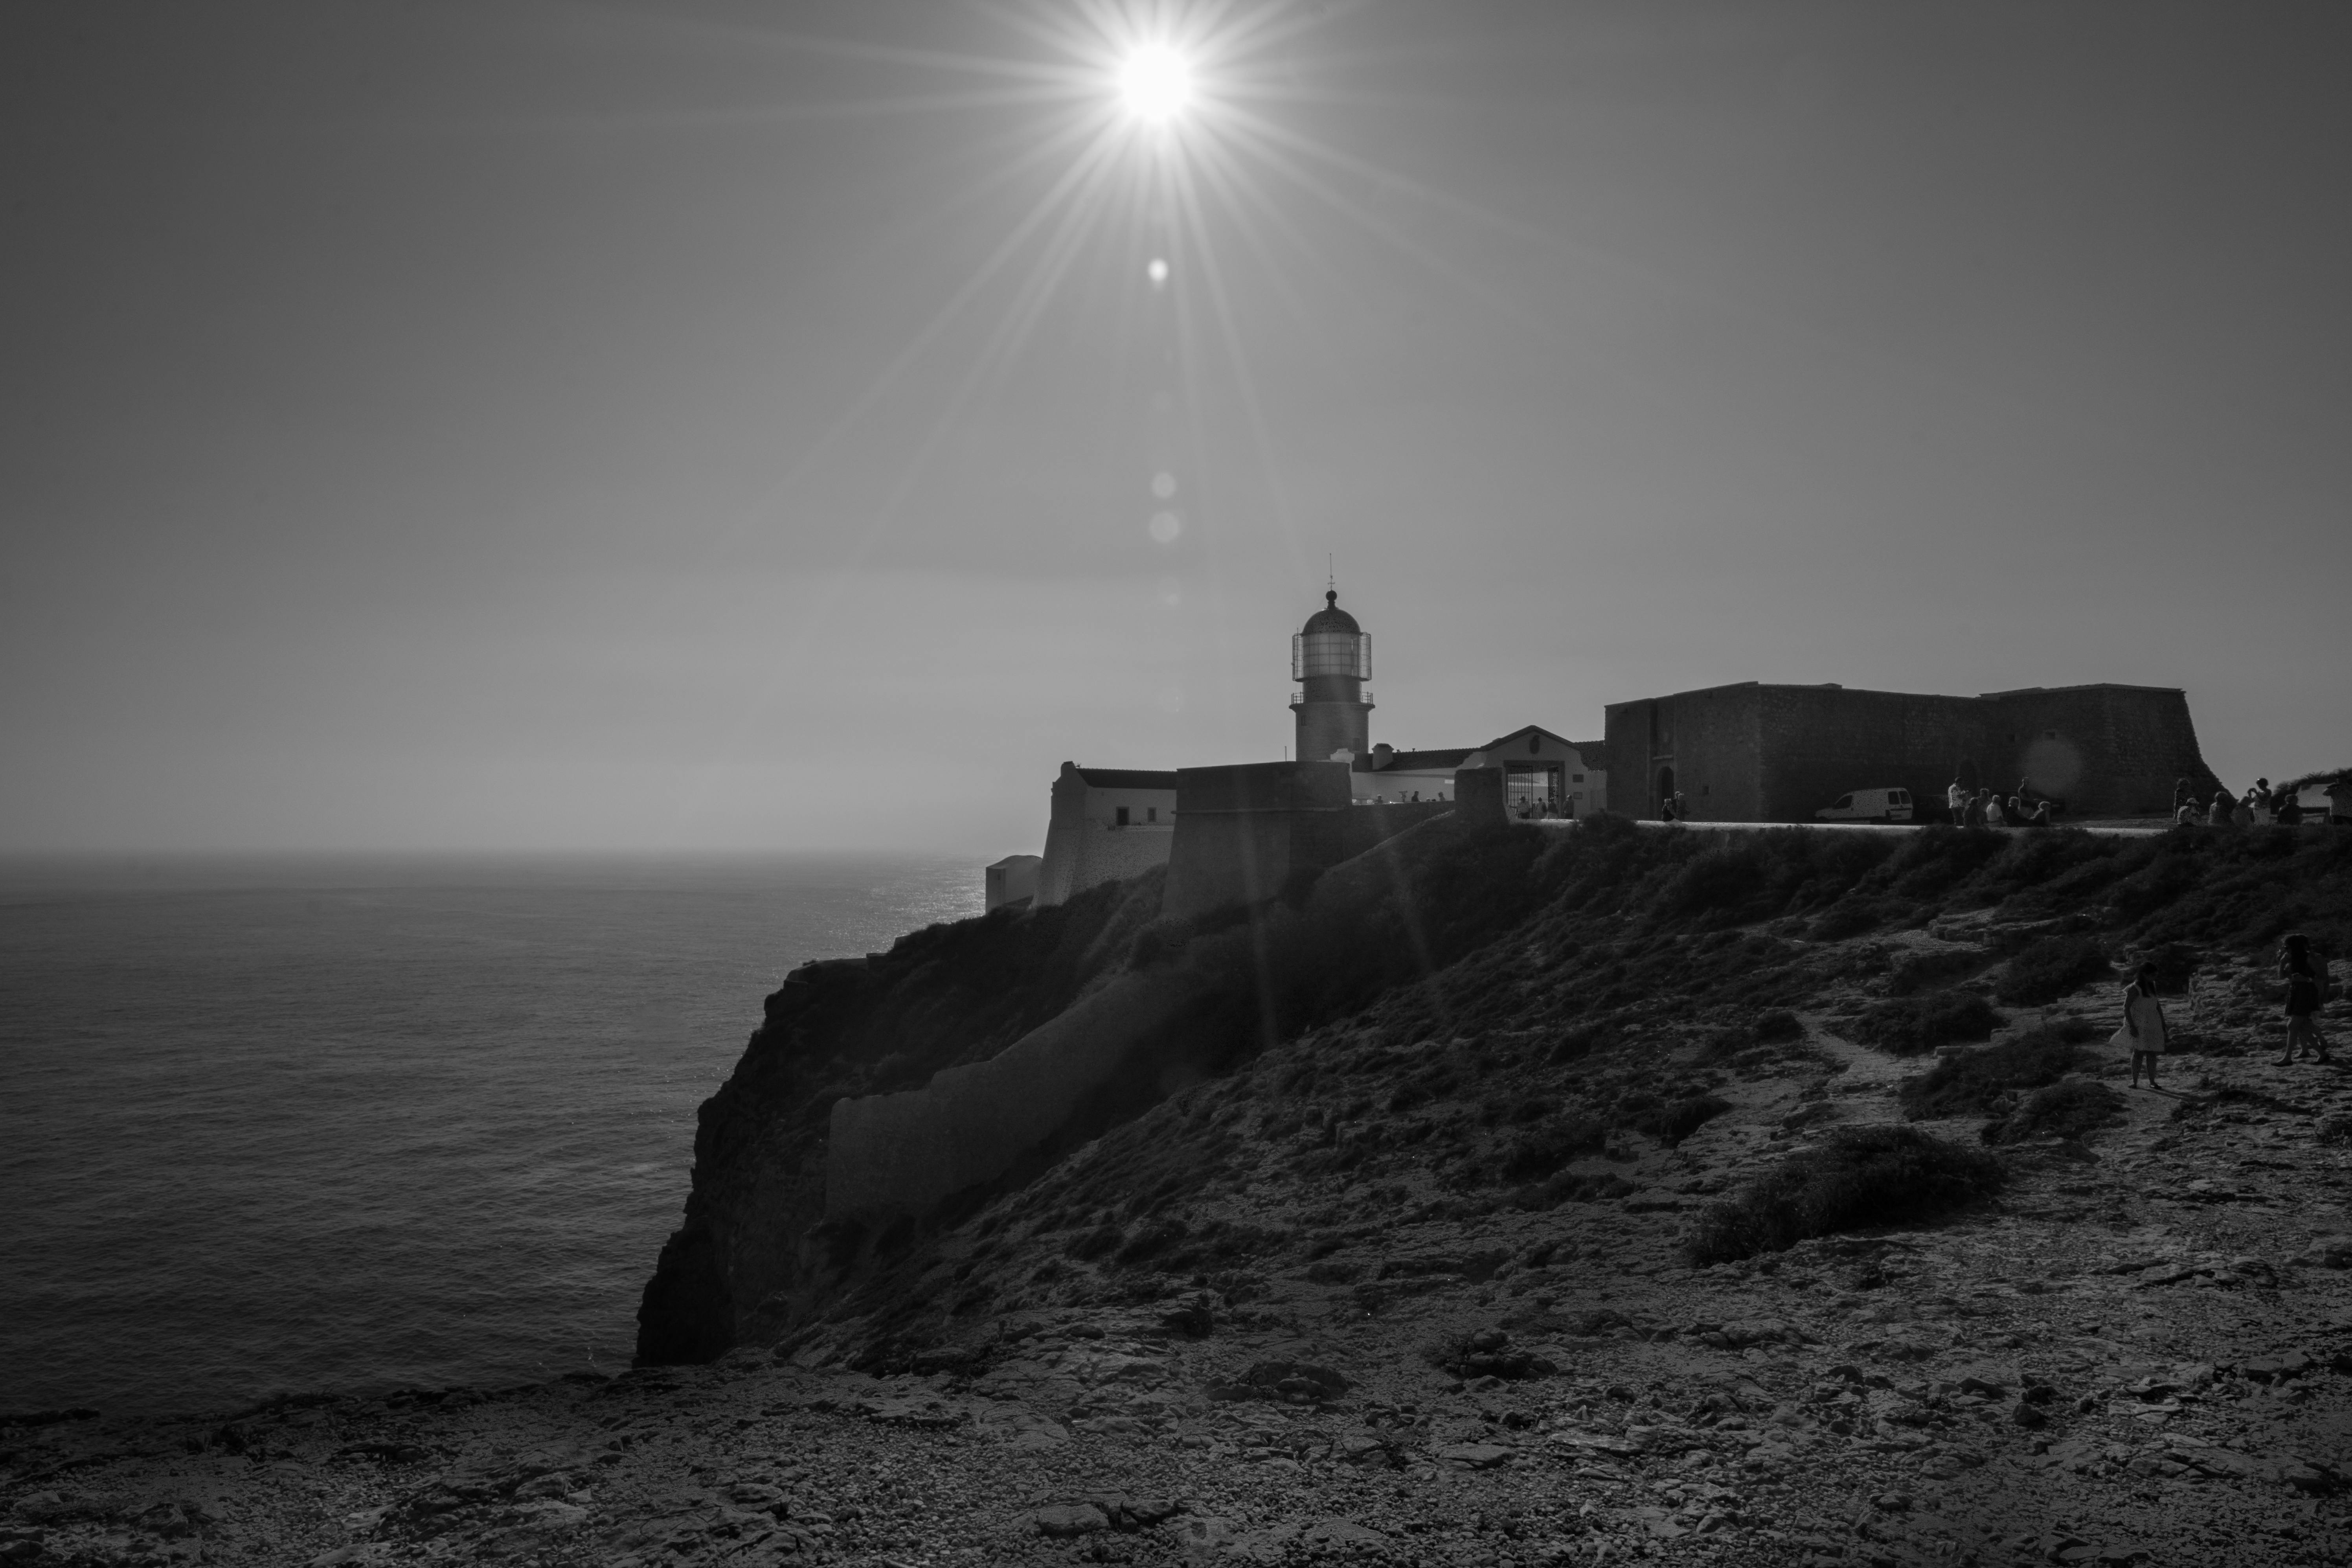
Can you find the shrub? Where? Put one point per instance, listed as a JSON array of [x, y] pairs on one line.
[[1568, 1186], [1090, 1245], [1162, 938], [1727, 881], [2068, 1109], [1671, 1123], [1849, 917], [1858, 1177], [2050, 968], [1931, 970], [1966, 1085], [1149, 1242], [1541, 1150], [1578, 1044], [1907, 1026], [1779, 1024]]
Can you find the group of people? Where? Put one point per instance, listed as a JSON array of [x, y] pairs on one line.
[[2260, 805], [2026, 808], [2308, 989], [1535, 807]]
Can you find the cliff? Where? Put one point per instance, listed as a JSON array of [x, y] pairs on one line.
[[1608, 975]]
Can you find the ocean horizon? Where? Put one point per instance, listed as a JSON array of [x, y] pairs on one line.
[[344, 1123]]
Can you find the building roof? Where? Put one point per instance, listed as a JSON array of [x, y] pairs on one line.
[[1379, 762], [1127, 778], [1593, 753], [1875, 691], [1332, 618]]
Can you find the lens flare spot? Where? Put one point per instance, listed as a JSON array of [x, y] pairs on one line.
[[1156, 272], [1171, 591], [1163, 484], [1166, 526]]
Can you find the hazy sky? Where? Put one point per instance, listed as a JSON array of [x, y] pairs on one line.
[[690, 426]]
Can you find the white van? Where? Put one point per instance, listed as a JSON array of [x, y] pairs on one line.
[[1869, 805]]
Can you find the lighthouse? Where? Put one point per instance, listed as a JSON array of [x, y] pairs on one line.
[[1331, 658]]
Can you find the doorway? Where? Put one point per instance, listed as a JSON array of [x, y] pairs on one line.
[[1533, 789]]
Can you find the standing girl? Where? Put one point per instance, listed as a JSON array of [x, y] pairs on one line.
[[2303, 999], [2142, 1028]]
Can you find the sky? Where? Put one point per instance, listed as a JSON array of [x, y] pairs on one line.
[[695, 427]]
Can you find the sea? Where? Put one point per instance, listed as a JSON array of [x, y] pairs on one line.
[[286, 1125]]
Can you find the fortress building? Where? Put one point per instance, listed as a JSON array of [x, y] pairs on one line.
[[1753, 752], [1331, 658], [1106, 824]]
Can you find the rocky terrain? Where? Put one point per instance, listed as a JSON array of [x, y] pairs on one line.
[[1536, 1253]]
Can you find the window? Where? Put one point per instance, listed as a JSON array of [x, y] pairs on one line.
[[1576, 778], [1843, 801], [1150, 813], [1122, 816]]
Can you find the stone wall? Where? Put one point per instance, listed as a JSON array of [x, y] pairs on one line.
[[1086, 846], [1753, 752], [904, 1154], [1818, 742], [2127, 745], [1240, 830]]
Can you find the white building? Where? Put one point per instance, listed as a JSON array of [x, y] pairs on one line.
[[1106, 824]]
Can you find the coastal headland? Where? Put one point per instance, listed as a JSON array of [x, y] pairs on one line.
[[1497, 1196]]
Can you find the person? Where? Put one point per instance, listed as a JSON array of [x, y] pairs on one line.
[[1993, 817], [2143, 1026], [2185, 813], [2290, 808], [1976, 812], [2182, 793], [2302, 976], [2224, 809], [2040, 818], [1957, 799], [2242, 814]]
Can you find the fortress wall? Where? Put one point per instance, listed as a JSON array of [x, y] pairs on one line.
[[1086, 847], [1718, 758], [1240, 830], [905, 1153], [1819, 742], [1127, 1045], [1108, 854], [1625, 733], [2105, 750], [1480, 797]]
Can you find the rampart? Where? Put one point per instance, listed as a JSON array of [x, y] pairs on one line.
[[1242, 831], [1753, 752], [904, 1154], [1091, 839]]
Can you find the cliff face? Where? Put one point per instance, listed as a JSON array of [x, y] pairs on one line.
[[1467, 1020], [739, 1264]]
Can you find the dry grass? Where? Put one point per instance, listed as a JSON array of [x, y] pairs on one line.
[[1856, 1178]]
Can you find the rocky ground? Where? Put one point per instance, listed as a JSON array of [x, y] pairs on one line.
[[2141, 1351]]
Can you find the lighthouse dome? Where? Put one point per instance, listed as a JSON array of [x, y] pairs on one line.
[[1331, 618]]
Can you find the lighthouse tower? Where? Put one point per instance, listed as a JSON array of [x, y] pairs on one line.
[[1331, 659]]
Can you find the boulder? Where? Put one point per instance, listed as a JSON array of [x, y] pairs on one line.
[[1063, 1520]]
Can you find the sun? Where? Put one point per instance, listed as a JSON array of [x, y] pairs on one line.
[[1155, 84]]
